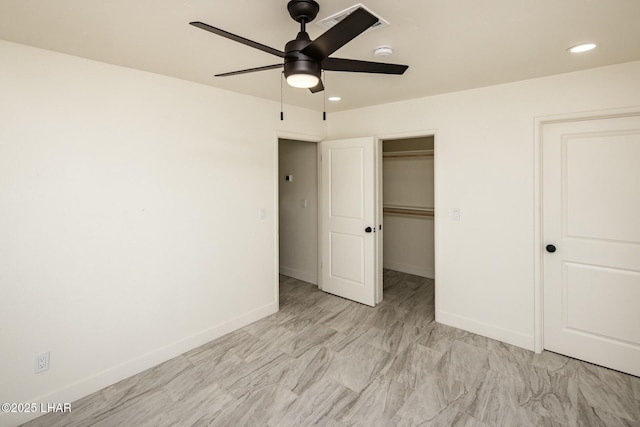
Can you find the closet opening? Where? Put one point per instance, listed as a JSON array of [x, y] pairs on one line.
[[408, 209]]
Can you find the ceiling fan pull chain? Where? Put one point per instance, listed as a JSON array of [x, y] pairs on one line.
[[281, 109], [324, 96]]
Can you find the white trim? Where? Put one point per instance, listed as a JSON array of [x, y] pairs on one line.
[[305, 276], [538, 286], [93, 383], [485, 329], [319, 212], [379, 276]]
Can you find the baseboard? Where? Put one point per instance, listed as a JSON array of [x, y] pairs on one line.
[[491, 331], [300, 275], [409, 269], [89, 385]]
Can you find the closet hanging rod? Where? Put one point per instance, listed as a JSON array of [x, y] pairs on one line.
[[416, 153], [398, 210]]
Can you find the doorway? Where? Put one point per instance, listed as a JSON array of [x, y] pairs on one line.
[[403, 179], [298, 209]]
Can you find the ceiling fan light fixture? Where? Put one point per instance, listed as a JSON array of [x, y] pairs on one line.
[[303, 81]]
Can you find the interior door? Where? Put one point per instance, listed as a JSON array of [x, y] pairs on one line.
[[348, 219], [591, 218]]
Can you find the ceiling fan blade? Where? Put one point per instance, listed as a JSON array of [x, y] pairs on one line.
[[237, 38], [250, 70], [317, 88], [339, 35], [355, 66]]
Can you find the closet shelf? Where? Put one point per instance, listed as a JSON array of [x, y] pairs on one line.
[[416, 153], [408, 210]]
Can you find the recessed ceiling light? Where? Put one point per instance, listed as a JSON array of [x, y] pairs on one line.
[[334, 98], [582, 48]]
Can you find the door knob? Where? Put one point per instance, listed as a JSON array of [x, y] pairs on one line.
[[550, 248], [367, 230]]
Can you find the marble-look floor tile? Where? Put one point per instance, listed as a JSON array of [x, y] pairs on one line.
[[255, 407], [509, 360], [419, 302], [323, 400], [217, 348], [552, 394], [271, 340], [635, 386], [465, 420], [464, 361], [135, 411], [423, 318], [596, 417], [495, 399], [82, 410], [147, 381], [439, 337], [608, 391], [437, 401], [377, 404], [396, 337], [356, 366], [307, 369], [348, 318], [200, 407], [413, 365], [326, 361], [385, 316], [552, 361], [359, 334], [262, 372]]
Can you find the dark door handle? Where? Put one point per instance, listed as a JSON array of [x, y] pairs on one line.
[[368, 230], [550, 248]]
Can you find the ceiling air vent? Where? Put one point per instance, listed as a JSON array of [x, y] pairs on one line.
[[332, 20]]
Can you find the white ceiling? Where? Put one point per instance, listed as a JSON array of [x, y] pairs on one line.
[[449, 45]]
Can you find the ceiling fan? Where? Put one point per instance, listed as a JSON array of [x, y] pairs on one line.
[[304, 59]]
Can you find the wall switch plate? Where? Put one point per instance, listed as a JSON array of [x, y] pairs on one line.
[[455, 214], [42, 362], [263, 213], [304, 203]]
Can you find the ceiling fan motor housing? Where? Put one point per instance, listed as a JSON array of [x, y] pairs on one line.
[[303, 10], [296, 62]]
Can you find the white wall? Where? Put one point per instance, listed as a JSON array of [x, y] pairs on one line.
[[298, 224], [129, 218], [485, 162]]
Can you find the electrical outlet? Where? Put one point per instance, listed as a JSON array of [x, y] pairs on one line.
[[42, 362]]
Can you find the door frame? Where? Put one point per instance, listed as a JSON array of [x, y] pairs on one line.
[[278, 135], [538, 244]]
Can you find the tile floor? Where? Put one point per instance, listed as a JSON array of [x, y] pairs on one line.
[[326, 361]]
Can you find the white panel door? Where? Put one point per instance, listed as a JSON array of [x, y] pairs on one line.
[[591, 214], [348, 219]]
